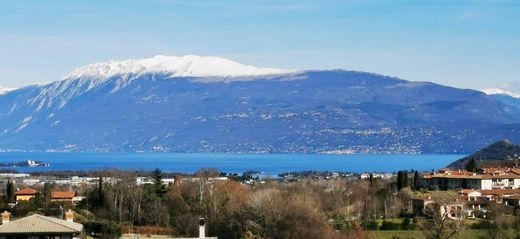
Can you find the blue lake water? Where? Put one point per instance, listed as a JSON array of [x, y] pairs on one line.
[[269, 164]]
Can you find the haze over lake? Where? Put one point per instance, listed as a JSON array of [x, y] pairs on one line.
[[269, 164]]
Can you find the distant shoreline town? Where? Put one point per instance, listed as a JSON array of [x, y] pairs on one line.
[[26, 163]]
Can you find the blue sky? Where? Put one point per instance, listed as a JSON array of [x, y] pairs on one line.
[[467, 44]]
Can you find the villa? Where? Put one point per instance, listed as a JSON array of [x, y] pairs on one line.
[[25, 194], [487, 179], [65, 196]]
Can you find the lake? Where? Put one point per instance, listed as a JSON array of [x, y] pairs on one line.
[[269, 164]]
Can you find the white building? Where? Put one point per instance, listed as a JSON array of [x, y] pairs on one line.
[[490, 178]]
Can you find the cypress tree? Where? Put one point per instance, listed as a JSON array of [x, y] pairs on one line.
[[100, 202], [416, 180], [160, 189], [472, 165], [405, 179], [47, 192], [400, 180], [10, 191]]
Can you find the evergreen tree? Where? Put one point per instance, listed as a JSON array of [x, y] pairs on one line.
[[47, 192], [405, 179], [400, 180], [38, 200], [160, 189], [99, 198], [471, 166], [416, 180], [10, 192]]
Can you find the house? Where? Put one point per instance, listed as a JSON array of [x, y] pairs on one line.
[[38, 226], [489, 178], [498, 195], [474, 201], [419, 205], [479, 200], [450, 210], [513, 201], [25, 194], [65, 196], [470, 194]]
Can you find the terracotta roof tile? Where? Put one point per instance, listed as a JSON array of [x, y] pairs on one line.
[[26, 191], [63, 195], [500, 191]]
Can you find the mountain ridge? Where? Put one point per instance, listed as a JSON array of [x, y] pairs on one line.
[[496, 153], [306, 112]]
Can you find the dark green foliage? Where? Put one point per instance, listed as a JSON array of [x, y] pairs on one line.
[[416, 180], [38, 200], [372, 180], [400, 180], [484, 224], [371, 225], [47, 192], [10, 192], [390, 226], [103, 229], [96, 197], [160, 188], [499, 153], [407, 224], [472, 165], [100, 193]]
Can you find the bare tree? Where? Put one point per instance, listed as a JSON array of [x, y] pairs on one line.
[[444, 218]]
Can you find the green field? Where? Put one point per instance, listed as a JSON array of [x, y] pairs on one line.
[[468, 234]]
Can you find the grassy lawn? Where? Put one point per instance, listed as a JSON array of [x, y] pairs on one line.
[[468, 234]]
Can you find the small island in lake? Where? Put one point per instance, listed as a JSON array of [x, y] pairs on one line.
[[26, 163]]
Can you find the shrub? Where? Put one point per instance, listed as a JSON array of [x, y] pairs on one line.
[[371, 225], [407, 224], [387, 226], [485, 224], [107, 230]]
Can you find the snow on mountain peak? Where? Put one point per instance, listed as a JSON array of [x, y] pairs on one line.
[[496, 91], [183, 66], [4, 90]]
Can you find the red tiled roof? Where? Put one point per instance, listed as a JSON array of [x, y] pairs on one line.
[[63, 195], [500, 191], [456, 174], [26, 191], [516, 171], [466, 191], [489, 173]]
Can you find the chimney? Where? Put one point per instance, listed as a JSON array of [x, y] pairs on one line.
[[202, 228], [69, 216], [5, 217]]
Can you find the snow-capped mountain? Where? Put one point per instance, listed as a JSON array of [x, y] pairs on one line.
[[497, 91], [506, 97], [184, 66], [209, 104], [4, 90]]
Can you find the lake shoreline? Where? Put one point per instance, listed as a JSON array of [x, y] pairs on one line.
[[269, 164]]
